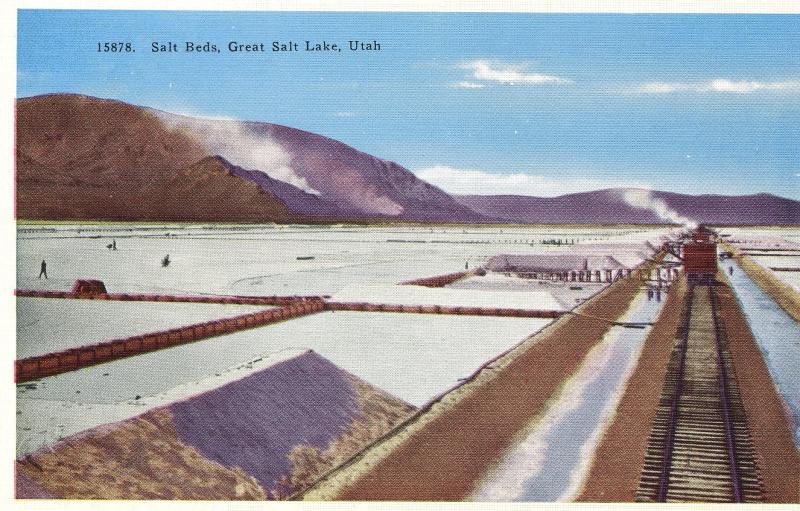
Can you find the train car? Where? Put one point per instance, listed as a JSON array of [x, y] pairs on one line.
[[700, 256], [703, 234]]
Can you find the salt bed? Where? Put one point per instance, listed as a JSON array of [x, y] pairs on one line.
[[42, 421], [420, 295], [568, 298], [412, 356], [263, 260], [778, 337], [791, 278], [551, 461], [45, 325]]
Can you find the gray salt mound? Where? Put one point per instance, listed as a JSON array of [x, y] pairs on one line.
[[254, 423]]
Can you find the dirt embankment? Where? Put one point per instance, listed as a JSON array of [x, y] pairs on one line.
[[443, 452], [777, 455], [783, 294], [614, 475]]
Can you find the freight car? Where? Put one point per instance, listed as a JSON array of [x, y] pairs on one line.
[[700, 255]]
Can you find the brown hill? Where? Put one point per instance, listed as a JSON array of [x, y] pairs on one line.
[[86, 158], [208, 191], [80, 157]]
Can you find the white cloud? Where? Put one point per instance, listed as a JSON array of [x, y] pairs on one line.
[[481, 182], [467, 85], [716, 85], [508, 74], [743, 87], [662, 87]]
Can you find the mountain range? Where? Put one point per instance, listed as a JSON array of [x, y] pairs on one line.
[[81, 158]]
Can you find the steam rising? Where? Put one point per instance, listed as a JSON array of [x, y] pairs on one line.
[[370, 201], [240, 145], [644, 199]]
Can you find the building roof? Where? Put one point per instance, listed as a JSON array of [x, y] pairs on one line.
[[551, 263]]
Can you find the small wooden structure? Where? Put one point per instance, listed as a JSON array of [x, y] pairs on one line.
[[89, 287]]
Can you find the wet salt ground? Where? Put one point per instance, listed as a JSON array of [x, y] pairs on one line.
[[45, 325], [778, 337], [552, 461]]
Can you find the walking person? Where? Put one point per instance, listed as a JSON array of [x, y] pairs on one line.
[[43, 271]]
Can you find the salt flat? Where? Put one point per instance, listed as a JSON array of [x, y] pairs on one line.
[[45, 325], [452, 297], [263, 260], [413, 356]]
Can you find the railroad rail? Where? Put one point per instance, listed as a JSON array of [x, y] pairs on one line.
[[699, 448]]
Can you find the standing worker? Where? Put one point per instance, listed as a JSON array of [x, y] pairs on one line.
[[113, 244], [43, 271], [730, 270]]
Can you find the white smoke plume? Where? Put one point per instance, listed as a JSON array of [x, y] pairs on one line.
[[370, 201], [644, 199], [239, 145]]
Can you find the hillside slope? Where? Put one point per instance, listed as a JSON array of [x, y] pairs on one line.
[[85, 158]]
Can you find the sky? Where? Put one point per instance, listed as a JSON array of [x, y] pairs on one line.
[[537, 104]]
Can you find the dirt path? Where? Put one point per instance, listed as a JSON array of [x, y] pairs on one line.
[[447, 449]]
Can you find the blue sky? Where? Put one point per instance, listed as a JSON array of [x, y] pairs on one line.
[[476, 103]]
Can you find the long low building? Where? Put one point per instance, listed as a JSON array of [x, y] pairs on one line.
[[566, 267]]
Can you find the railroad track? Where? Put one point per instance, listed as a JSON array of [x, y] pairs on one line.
[[699, 447]]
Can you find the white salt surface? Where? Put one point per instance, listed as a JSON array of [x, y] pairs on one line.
[[791, 278], [568, 294], [41, 422], [263, 260], [413, 356], [45, 325], [421, 295]]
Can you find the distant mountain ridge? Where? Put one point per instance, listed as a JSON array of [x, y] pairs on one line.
[[609, 206], [80, 157]]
